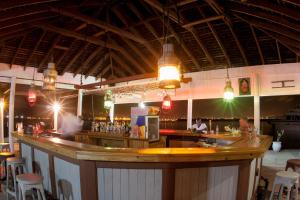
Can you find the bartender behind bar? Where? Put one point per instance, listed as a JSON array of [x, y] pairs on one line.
[[200, 127]]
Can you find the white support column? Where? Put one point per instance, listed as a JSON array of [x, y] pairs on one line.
[[112, 112], [11, 114], [1, 119], [190, 113], [79, 103], [256, 101]]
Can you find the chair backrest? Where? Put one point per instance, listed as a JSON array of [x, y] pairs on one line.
[[65, 190]]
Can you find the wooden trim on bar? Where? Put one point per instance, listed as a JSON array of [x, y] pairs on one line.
[[243, 180], [168, 184], [52, 175], [164, 165], [88, 180]]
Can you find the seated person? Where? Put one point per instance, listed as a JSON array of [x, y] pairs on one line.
[[200, 126], [245, 126]]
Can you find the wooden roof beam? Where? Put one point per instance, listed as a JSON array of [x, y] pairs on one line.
[[46, 57], [217, 39], [35, 48], [220, 10], [279, 9], [271, 27], [238, 8], [77, 15], [78, 36], [99, 63], [78, 54], [257, 45], [121, 62], [278, 52], [16, 52], [201, 21]]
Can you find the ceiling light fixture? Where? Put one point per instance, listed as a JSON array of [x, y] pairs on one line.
[[108, 100], [50, 75], [228, 90]]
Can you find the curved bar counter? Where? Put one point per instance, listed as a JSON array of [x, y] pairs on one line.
[[93, 172]]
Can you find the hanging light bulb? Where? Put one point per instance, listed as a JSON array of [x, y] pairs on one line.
[[108, 100], [167, 103], [50, 75], [228, 90], [31, 95], [169, 68]]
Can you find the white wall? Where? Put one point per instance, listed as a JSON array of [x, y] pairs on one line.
[[210, 84]]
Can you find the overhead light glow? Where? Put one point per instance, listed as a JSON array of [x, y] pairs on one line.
[[169, 68], [56, 107], [142, 104], [167, 103], [2, 103], [108, 100], [228, 91]]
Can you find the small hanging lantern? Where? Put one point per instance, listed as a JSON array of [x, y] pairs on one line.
[[50, 75], [167, 103], [108, 100], [31, 95], [169, 68], [228, 90]]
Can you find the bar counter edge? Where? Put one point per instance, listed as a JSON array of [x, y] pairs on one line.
[[92, 172]]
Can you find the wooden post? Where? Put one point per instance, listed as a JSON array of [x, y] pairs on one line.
[[189, 113], [79, 103], [256, 102], [168, 184], [112, 113], [1, 119], [11, 114]]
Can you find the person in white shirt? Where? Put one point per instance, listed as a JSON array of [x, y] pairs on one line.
[[200, 126]]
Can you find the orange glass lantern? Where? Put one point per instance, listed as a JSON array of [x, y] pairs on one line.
[[167, 103], [31, 96]]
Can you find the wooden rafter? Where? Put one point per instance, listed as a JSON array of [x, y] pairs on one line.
[[211, 28], [78, 36], [278, 52], [257, 45], [220, 10], [16, 52], [294, 2], [9, 4], [46, 57], [146, 23], [267, 26], [132, 45], [202, 21], [88, 60], [100, 63], [130, 58], [122, 63], [98, 23], [78, 54], [35, 48], [204, 49], [296, 50], [282, 39], [238, 8], [268, 5]]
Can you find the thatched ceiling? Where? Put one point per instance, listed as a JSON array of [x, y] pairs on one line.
[[86, 36]]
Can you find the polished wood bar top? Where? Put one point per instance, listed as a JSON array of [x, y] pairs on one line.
[[187, 133], [244, 148]]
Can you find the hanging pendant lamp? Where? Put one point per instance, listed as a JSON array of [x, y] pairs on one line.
[[50, 75], [167, 103], [32, 93], [228, 90], [169, 68]]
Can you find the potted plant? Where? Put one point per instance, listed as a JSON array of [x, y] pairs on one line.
[[276, 146]]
